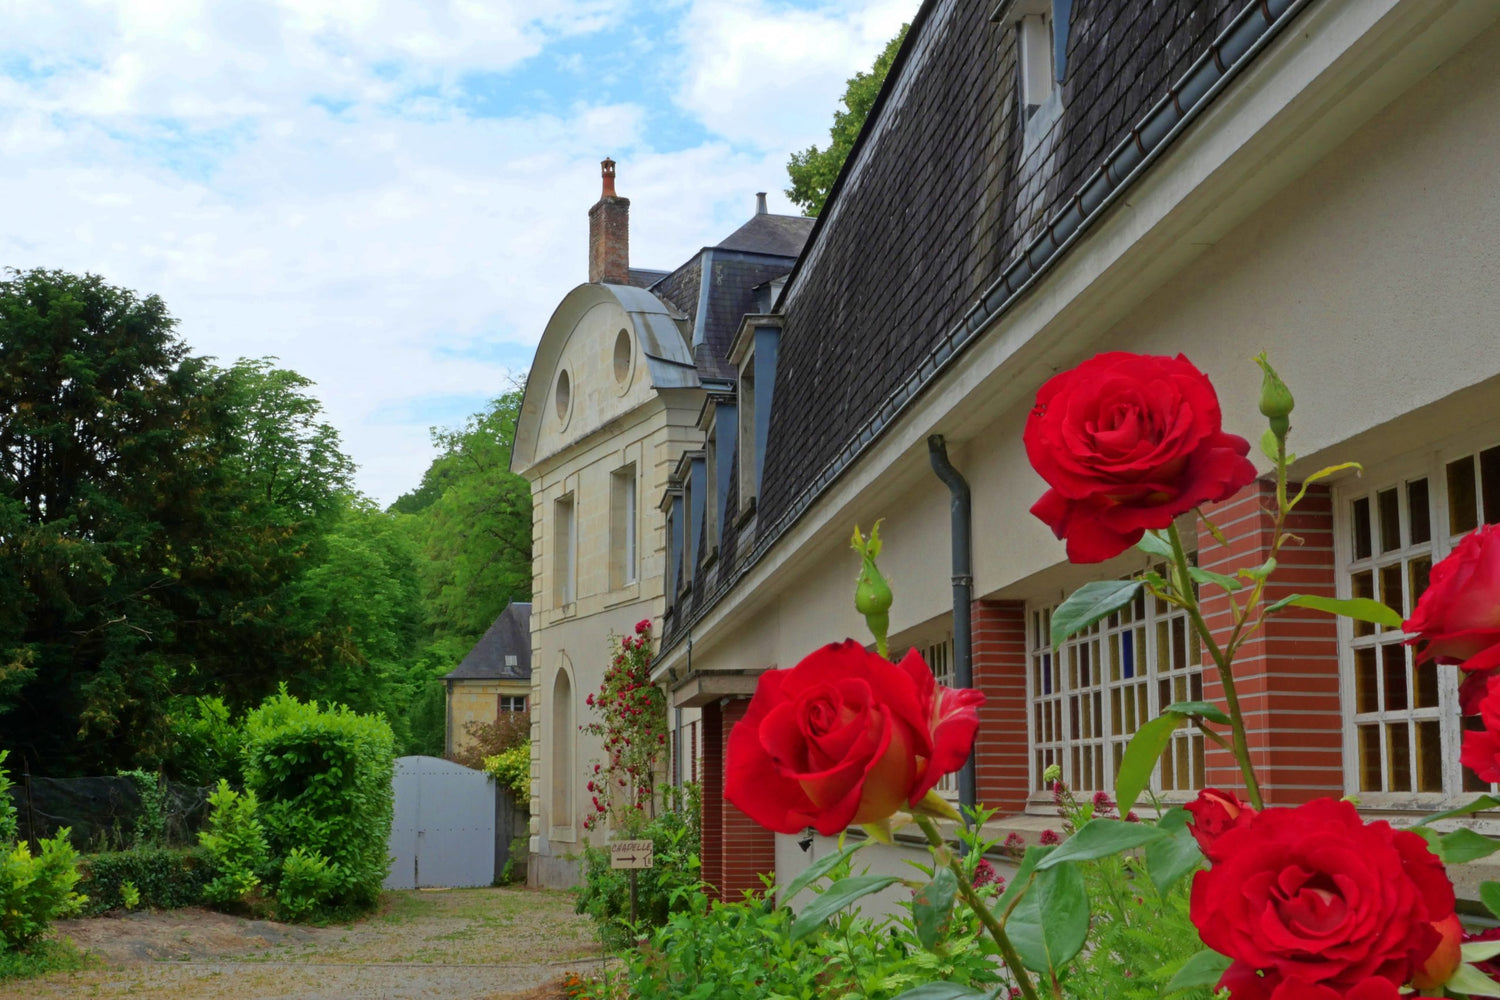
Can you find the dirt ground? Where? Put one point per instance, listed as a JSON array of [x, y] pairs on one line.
[[460, 944]]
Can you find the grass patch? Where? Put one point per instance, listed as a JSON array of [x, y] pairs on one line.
[[42, 958]]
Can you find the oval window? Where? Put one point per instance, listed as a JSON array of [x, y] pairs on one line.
[[622, 357], [563, 394]]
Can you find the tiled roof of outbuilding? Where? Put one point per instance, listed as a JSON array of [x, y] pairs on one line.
[[782, 235], [509, 636]]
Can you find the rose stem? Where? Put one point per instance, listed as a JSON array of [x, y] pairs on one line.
[[1225, 665], [966, 889]]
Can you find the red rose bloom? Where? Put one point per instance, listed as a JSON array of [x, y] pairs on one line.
[[1481, 748], [1214, 814], [845, 737], [1457, 619], [1244, 984], [1127, 442], [1317, 896]]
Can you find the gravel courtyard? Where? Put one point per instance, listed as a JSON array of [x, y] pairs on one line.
[[463, 944]]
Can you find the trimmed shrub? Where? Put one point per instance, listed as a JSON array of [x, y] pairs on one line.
[[163, 879], [235, 843], [34, 891], [307, 883], [323, 778]]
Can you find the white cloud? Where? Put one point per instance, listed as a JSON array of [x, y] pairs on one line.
[[396, 250], [769, 75]]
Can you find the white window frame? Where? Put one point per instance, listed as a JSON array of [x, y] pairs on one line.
[[1433, 466], [939, 659], [1049, 738]]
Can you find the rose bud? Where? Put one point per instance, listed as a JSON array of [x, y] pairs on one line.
[[1443, 960], [1276, 401]]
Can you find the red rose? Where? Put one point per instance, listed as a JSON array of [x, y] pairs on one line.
[[1244, 984], [845, 737], [1214, 814], [1444, 959], [1127, 442], [1481, 748], [1457, 619], [1316, 895]]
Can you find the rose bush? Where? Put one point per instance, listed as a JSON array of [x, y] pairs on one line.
[[1214, 814], [846, 737], [1127, 442], [1313, 896], [1457, 619]]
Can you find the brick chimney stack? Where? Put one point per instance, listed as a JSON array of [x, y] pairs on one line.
[[609, 233]]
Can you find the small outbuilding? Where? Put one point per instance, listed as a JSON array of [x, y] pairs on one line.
[[493, 679]]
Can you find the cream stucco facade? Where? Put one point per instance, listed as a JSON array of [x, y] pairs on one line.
[[604, 420], [475, 701]]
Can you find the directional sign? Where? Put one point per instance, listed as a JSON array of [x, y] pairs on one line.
[[630, 854]]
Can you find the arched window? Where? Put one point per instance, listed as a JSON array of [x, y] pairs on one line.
[[563, 769]]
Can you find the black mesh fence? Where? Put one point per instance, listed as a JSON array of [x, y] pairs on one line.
[[110, 813]]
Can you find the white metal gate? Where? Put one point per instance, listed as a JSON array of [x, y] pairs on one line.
[[444, 828]]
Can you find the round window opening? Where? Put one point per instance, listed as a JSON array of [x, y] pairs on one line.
[[564, 395], [622, 357]]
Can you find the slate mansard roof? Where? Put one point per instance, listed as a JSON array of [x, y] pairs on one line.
[[945, 196], [503, 652]]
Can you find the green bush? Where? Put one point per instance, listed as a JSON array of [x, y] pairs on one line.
[[34, 891], [206, 743], [660, 890], [323, 778], [307, 882], [512, 769], [163, 879], [9, 822], [235, 843]]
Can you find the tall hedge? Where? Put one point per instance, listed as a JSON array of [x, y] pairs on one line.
[[323, 778]]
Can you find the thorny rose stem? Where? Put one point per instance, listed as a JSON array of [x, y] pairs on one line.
[[966, 888]]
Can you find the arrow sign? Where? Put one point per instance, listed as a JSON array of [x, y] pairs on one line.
[[630, 854]]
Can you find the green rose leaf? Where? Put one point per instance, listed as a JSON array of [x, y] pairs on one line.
[[1174, 855], [1260, 572], [818, 869], [1360, 608], [942, 991], [1469, 980], [933, 906], [1051, 922], [1489, 895], [1098, 838], [1090, 603], [1201, 971], [1141, 755], [1206, 709], [1478, 805], [1153, 544], [1205, 576], [839, 895], [1480, 951], [1464, 845]]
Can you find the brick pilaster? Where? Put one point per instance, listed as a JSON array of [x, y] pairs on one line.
[[749, 849], [713, 798], [1288, 675], [1000, 750]]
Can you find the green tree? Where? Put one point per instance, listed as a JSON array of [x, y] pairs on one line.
[[814, 170]]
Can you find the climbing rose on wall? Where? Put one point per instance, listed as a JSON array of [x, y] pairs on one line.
[[1315, 897], [846, 737], [1127, 442]]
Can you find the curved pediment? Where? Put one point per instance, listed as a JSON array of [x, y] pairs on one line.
[[606, 350]]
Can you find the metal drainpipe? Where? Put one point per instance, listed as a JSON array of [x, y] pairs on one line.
[[963, 585]]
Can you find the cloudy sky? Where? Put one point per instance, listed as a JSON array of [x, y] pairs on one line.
[[391, 196]]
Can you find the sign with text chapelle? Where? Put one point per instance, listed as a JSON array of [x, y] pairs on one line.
[[630, 854]]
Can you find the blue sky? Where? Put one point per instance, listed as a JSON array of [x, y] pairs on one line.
[[390, 197]]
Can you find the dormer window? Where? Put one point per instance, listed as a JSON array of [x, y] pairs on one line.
[[753, 352], [1034, 53], [1040, 30], [719, 421]]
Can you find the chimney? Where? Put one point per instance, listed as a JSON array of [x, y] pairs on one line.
[[609, 233], [760, 203]]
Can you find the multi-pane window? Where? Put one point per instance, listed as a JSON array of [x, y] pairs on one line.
[[939, 657], [1089, 697], [511, 703], [1402, 728]]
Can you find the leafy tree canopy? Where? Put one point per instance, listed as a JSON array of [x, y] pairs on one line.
[[814, 170]]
